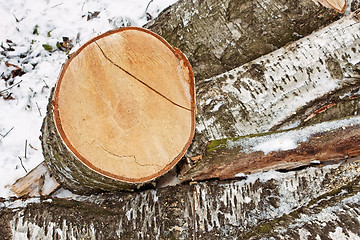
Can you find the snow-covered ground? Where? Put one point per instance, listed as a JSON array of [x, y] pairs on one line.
[[30, 31]]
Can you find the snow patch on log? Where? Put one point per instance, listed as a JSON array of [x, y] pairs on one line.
[[290, 139], [21, 203]]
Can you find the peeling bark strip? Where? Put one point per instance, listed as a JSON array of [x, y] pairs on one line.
[[36, 183], [206, 210], [108, 121], [272, 89], [321, 143], [217, 36]]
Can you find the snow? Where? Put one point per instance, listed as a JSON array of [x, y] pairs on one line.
[[277, 144], [315, 162], [29, 25], [239, 175], [290, 139], [264, 176]]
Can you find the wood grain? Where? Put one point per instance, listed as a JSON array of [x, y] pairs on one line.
[[124, 104]]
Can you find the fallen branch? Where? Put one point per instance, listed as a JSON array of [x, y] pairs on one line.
[[3, 136], [21, 162], [38, 109], [25, 148], [283, 150], [14, 85]]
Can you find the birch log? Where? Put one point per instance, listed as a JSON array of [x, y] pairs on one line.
[[108, 120], [207, 210], [280, 89], [217, 36], [283, 150], [225, 209]]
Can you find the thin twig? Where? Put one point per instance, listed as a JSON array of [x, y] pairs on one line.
[[38, 109], [148, 6], [22, 164], [45, 84], [25, 147], [33, 147], [7, 132], [17, 20], [11, 87], [57, 5]]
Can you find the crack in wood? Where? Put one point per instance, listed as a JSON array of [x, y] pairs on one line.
[[139, 80], [126, 156]]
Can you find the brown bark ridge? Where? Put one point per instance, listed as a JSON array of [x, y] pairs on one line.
[[240, 209], [282, 150], [354, 5], [283, 88], [218, 36], [108, 120]]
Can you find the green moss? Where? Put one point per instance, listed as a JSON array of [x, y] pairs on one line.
[[48, 47], [215, 144], [265, 228], [224, 143]]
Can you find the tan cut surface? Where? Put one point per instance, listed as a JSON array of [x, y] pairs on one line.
[[124, 105], [338, 5]]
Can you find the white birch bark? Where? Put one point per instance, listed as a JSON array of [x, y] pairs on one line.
[[207, 210], [262, 94]]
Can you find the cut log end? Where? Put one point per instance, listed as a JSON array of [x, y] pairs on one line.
[[337, 5], [124, 106]]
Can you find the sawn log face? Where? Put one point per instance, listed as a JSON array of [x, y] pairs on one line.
[[66, 168], [115, 101]]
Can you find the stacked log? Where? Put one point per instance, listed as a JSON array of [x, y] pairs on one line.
[[108, 120], [255, 96]]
